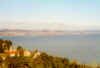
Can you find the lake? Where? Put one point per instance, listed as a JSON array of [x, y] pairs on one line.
[[84, 48]]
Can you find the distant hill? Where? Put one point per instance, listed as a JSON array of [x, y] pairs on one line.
[[22, 32]]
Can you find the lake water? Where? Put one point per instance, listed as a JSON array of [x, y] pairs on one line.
[[84, 48]]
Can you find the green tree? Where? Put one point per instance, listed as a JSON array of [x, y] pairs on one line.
[[5, 45], [20, 51], [1, 49]]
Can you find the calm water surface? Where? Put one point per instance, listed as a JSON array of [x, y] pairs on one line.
[[85, 48]]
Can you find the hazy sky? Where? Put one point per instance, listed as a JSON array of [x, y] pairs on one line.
[[50, 14]]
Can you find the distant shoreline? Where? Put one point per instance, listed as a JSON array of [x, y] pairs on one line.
[[31, 33]]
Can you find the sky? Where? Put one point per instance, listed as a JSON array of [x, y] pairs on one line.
[[50, 14]]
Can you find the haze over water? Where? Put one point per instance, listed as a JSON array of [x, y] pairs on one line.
[[84, 48]]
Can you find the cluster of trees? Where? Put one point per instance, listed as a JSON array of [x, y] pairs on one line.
[[47, 61], [5, 45]]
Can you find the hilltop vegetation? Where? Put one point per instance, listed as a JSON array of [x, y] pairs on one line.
[[19, 57]]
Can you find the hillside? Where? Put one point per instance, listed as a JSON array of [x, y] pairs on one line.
[[11, 57]]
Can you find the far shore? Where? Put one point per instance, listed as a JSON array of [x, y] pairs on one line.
[[30, 33]]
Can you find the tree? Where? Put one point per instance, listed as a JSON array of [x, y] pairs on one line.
[[9, 44], [5, 45], [1, 49], [20, 51]]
